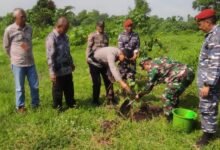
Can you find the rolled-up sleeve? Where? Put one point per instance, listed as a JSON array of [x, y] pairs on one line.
[[50, 47], [6, 42]]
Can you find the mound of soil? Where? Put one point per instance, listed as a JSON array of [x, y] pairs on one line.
[[108, 125], [104, 141], [146, 112]]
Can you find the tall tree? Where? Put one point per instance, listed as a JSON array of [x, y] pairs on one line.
[[202, 4], [67, 12], [42, 13], [139, 13]]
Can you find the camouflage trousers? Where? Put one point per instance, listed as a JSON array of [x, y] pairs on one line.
[[174, 90], [127, 69], [209, 111]]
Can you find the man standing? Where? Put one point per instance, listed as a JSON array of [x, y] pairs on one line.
[[105, 59], [60, 64], [129, 43], [176, 75], [18, 44], [98, 40], [208, 74]]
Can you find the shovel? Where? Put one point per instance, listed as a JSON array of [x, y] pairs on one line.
[[126, 107]]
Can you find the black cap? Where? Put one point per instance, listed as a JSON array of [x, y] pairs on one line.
[[100, 24]]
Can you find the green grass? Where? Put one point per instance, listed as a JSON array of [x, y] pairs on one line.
[[80, 128]]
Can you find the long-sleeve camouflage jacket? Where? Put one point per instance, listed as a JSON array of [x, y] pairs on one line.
[[59, 59], [165, 70], [209, 59], [129, 43]]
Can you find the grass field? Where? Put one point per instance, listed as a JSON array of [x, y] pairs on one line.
[[81, 128]]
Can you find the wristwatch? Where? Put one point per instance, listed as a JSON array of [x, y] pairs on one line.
[[206, 85]]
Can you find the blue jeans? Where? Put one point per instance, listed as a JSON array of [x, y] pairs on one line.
[[19, 75]]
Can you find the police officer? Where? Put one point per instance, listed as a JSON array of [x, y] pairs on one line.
[[129, 43], [98, 40], [105, 58], [177, 76], [208, 74]]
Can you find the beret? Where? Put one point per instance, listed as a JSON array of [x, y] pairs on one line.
[[204, 14], [128, 23]]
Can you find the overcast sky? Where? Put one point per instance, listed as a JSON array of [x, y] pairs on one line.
[[162, 8]]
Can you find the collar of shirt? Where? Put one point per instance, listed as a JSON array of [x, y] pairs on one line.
[[211, 31], [18, 27], [128, 33], [99, 33], [58, 34]]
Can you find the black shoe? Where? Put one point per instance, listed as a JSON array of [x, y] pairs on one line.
[[96, 103], [176, 105], [169, 118], [204, 140], [113, 101], [59, 108], [73, 105]]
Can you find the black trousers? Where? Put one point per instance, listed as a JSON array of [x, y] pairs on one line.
[[63, 84], [96, 74]]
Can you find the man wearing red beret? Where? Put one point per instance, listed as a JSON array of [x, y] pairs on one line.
[[208, 75], [129, 43]]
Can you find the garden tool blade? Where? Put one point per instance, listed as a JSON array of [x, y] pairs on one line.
[[126, 107]]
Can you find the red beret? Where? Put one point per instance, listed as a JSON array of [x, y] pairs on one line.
[[128, 23], [206, 13]]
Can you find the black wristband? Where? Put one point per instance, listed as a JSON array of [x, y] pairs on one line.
[[207, 85]]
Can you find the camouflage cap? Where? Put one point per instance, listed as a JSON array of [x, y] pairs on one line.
[[143, 60]]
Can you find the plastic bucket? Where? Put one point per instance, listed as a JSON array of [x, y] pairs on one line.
[[184, 119]]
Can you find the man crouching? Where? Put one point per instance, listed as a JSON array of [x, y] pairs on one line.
[[177, 76]]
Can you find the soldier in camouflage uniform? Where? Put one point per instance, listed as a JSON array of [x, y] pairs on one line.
[[97, 40], [208, 75], [164, 70], [129, 43]]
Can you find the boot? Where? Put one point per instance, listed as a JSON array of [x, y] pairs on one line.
[[169, 118], [112, 101], [96, 103], [204, 140]]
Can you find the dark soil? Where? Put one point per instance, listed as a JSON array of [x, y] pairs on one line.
[[108, 128], [108, 125], [104, 141], [145, 112]]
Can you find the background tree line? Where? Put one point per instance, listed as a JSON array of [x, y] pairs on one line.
[[45, 12]]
